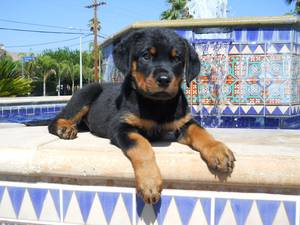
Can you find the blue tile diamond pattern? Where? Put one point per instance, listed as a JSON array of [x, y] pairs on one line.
[[16, 195], [220, 206], [161, 208], [127, 198], [290, 208], [241, 208], [101, 205], [254, 211], [108, 201], [206, 206], [37, 196], [185, 206], [85, 200], [267, 210], [55, 196], [1, 192], [66, 201]]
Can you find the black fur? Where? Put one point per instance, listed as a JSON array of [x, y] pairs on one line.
[[110, 102]]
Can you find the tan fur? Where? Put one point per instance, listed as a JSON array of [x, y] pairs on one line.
[[217, 155], [153, 51], [177, 124], [60, 123], [173, 52], [136, 121], [146, 124], [147, 174]]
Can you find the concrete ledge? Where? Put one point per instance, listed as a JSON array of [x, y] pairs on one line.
[[33, 99], [267, 160]]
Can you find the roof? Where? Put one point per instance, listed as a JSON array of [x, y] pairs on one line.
[[215, 22]]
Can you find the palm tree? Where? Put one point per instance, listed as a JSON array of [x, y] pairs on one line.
[[297, 9], [11, 81], [91, 24], [64, 71], [46, 66], [177, 10]]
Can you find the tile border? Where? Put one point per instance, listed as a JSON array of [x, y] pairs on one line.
[[167, 192]]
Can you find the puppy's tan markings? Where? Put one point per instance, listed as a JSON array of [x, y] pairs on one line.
[[66, 128], [136, 121], [175, 84], [173, 52], [177, 124], [138, 76], [147, 174], [217, 155], [153, 51]]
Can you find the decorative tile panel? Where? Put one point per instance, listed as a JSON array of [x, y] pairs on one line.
[[252, 211], [74, 204]]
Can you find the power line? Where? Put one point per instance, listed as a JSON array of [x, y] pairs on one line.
[[45, 43], [47, 32], [39, 31], [43, 25], [77, 43]]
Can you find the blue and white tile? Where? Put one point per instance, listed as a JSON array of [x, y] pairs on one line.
[[258, 212], [253, 216], [172, 215], [93, 207], [147, 216], [108, 202], [72, 213], [27, 211], [96, 215], [172, 209], [6, 207], [51, 210], [121, 214], [199, 216], [226, 216], [281, 216]]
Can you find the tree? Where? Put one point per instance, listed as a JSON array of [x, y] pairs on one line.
[[297, 8], [177, 10], [11, 81], [46, 66]]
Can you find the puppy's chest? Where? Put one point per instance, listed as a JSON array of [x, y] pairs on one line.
[[153, 127]]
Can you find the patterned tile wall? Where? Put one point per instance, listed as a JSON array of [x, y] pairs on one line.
[[72, 204], [257, 74], [245, 71]]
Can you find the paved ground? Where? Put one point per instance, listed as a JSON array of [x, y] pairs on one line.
[[268, 159]]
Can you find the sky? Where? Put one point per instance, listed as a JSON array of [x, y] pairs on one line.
[[114, 16]]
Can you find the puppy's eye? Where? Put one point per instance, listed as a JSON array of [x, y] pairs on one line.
[[176, 58], [146, 56]]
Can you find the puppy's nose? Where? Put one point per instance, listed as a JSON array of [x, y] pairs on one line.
[[163, 80]]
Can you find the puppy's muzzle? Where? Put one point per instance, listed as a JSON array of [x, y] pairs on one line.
[[163, 78]]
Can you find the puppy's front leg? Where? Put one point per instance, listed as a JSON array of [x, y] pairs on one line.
[[147, 175], [217, 155]]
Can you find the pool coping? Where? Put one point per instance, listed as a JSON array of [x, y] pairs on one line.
[[267, 161]]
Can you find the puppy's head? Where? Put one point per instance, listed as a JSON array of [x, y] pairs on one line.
[[157, 59]]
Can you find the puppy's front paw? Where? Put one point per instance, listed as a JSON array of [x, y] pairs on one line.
[[149, 184], [219, 158], [67, 132]]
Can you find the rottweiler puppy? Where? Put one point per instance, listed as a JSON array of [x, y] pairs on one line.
[[147, 105]]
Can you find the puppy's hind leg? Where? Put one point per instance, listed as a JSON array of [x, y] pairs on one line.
[[64, 124]]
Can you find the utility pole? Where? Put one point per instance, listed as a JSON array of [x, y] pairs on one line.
[[80, 61], [95, 6]]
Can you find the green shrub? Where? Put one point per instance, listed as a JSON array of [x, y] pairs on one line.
[[11, 83]]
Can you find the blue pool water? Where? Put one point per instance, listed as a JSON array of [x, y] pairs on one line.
[[29, 114], [40, 114]]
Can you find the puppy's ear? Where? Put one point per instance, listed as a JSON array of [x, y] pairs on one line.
[[192, 63], [122, 53]]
